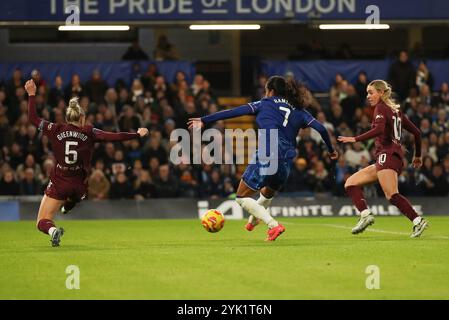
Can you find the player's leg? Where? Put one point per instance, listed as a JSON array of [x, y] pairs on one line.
[[78, 194], [245, 200], [68, 205], [265, 197], [388, 179], [47, 211], [353, 187]]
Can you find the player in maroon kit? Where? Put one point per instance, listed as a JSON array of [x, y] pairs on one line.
[[72, 144], [388, 121]]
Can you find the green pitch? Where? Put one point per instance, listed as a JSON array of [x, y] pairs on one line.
[[316, 258]]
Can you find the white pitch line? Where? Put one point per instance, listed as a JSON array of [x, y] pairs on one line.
[[368, 230], [337, 226]]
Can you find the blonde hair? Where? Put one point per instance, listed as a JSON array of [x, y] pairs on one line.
[[385, 87], [74, 111]]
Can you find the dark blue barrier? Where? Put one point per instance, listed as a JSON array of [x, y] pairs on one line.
[[9, 210], [319, 75], [111, 71]]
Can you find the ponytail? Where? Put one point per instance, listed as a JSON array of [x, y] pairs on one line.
[[383, 86]]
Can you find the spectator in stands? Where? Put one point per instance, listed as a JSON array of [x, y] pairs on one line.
[[188, 185], [215, 187], [57, 92], [29, 163], [259, 89], [422, 111], [424, 76], [149, 78], [155, 149], [425, 95], [9, 185], [110, 99], [337, 116], [443, 96], [425, 128], [180, 79], [15, 82], [119, 164], [401, 75], [6, 133], [336, 89], [342, 173], [133, 151], [165, 50], [411, 102], [166, 184], [205, 92], [143, 187], [350, 103], [299, 179], [135, 52], [96, 87], [123, 99], [441, 124], [29, 185], [129, 121], [47, 167], [321, 181], [14, 155], [363, 125], [446, 167], [443, 146], [437, 184], [75, 88], [353, 157], [197, 85], [360, 87], [137, 90], [99, 186], [38, 80], [121, 188], [14, 101]]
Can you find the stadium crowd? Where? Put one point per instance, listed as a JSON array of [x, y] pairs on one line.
[[141, 169]]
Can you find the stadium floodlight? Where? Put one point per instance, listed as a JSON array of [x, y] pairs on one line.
[[198, 27], [362, 26], [93, 28]]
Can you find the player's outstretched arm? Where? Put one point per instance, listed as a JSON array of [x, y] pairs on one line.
[[325, 136], [30, 88], [221, 115], [410, 127], [101, 135], [374, 132]]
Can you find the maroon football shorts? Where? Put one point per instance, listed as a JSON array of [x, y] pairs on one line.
[[63, 188], [389, 161]]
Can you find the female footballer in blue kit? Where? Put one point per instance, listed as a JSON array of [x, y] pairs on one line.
[[280, 110]]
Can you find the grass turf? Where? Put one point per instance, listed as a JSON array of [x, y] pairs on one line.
[[317, 258]]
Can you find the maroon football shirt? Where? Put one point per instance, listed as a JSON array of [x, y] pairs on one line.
[[73, 146], [387, 129]]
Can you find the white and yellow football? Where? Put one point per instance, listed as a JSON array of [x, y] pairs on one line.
[[213, 220]]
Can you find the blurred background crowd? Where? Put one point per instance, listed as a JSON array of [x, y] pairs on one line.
[[141, 169]]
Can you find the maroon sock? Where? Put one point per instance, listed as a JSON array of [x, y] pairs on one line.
[[44, 225], [358, 199], [404, 206]]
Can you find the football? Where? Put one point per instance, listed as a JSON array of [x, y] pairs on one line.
[[213, 220]]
